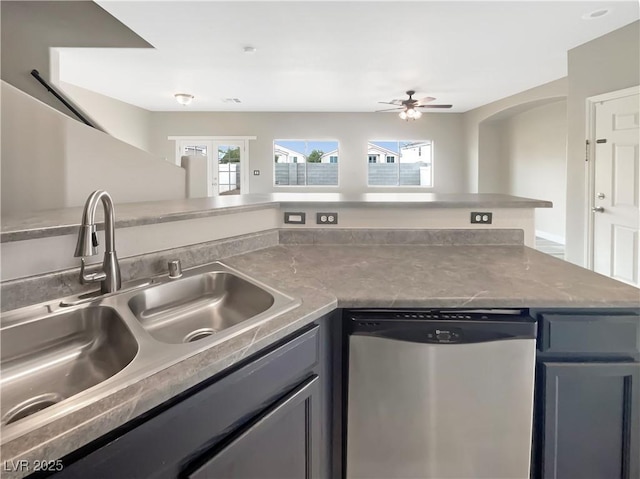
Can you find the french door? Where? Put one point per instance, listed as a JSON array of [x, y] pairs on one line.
[[226, 163]]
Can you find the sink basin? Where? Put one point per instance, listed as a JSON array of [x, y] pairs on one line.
[[62, 355], [196, 307], [51, 357]]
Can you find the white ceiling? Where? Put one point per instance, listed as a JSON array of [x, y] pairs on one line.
[[337, 56]]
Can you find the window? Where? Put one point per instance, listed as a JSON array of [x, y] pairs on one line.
[[305, 162], [408, 163]]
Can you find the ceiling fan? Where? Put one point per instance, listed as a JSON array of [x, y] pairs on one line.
[[409, 107]]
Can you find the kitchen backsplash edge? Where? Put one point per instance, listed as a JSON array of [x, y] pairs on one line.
[[35, 289]]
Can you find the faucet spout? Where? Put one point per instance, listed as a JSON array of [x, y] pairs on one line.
[[87, 244]]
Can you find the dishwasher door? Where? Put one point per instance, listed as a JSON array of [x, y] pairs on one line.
[[440, 400]]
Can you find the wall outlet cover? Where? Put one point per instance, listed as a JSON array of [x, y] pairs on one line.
[[327, 218], [479, 217]]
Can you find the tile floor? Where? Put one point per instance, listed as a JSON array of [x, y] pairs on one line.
[[550, 247]]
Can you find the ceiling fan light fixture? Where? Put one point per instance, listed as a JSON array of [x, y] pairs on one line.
[[417, 114], [403, 115], [184, 98]]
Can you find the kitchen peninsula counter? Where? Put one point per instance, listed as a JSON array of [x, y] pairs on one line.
[[330, 276], [47, 223]]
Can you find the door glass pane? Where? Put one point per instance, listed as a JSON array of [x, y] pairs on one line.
[[194, 150], [228, 170]]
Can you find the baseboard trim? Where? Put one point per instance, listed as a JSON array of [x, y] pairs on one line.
[[551, 237]]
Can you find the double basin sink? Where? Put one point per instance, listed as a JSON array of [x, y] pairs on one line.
[[59, 356]]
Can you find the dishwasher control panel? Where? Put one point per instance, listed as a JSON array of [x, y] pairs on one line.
[[441, 335], [442, 326]]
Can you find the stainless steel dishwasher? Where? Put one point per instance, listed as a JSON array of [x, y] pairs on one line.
[[440, 394]]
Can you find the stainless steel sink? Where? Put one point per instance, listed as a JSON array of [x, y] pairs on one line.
[[197, 307], [50, 358], [60, 356]]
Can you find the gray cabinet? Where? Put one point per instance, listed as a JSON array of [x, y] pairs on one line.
[[268, 417], [588, 395], [591, 420], [280, 444]]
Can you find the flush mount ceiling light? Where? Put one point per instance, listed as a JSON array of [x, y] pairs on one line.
[[249, 49], [183, 98], [596, 14]]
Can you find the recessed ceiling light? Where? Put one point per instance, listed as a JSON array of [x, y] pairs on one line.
[[596, 14], [184, 98], [249, 49]]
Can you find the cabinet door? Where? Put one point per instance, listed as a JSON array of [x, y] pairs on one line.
[[280, 444], [591, 421]]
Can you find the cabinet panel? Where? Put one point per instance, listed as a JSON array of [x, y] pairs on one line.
[[591, 420], [588, 333], [159, 447], [282, 444]]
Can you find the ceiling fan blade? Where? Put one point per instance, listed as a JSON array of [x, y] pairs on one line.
[[390, 109], [424, 100], [392, 102], [435, 106]]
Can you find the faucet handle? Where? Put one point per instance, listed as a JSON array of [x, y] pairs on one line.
[[91, 277], [175, 269]]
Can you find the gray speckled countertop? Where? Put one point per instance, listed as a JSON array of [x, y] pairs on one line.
[[435, 276], [47, 223], [330, 276]]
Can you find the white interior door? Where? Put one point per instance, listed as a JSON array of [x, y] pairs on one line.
[[616, 211]]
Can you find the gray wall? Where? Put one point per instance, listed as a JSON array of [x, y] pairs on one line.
[[608, 63], [121, 120], [51, 161], [29, 29], [351, 130], [478, 139], [535, 150]]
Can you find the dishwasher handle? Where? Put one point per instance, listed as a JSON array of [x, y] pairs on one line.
[[444, 332]]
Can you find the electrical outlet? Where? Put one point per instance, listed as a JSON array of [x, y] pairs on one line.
[[294, 218], [327, 218], [481, 218]]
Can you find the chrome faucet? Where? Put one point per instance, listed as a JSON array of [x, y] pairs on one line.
[[88, 243]]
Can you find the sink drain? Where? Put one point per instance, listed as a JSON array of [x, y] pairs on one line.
[[31, 406], [198, 334]]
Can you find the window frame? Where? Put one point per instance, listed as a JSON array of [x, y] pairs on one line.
[[398, 162], [337, 149]]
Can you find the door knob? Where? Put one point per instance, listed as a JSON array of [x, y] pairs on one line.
[[597, 209]]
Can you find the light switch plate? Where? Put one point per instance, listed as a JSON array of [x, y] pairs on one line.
[[294, 218], [256, 172]]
